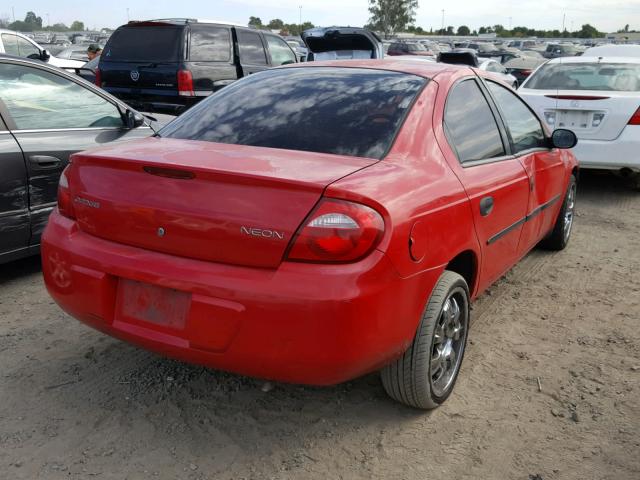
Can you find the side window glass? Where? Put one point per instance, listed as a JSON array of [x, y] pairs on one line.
[[524, 127], [10, 43], [281, 53], [27, 49], [210, 44], [251, 48], [470, 125], [37, 99]]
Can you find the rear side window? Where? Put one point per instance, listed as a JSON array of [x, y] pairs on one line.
[[344, 111], [470, 124], [281, 53], [251, 48], [162, 43], [620, 77], [524, 127], [210, 44]]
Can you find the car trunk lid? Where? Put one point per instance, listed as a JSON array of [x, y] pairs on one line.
[[224, 203], [592, 115], [337, 43]]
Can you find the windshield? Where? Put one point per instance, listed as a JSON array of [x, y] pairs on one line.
[[619, 77], [144, 44], [343, 111]]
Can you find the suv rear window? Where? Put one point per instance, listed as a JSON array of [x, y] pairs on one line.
[[343, 111], [161, 43]]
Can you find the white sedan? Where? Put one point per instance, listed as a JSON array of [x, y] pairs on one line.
[[500, 72], [599, 99]]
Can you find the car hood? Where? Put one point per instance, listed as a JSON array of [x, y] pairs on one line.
[[342, 42]]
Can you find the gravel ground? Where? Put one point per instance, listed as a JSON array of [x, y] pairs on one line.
[[77, 404]]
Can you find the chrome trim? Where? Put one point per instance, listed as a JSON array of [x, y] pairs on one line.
[[84, 129]]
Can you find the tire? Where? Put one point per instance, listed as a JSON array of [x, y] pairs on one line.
[[415, 378], [559, 237]]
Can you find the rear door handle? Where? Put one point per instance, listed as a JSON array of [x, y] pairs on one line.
[[44, 162], [486, 206]]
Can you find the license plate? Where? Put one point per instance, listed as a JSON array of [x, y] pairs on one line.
[[573, 119], [138, 301]]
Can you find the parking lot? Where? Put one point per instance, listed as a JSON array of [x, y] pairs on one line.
[[548, 389]]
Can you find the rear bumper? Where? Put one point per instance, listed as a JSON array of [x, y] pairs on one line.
[[623, 152], [300, 323], [170, 103]]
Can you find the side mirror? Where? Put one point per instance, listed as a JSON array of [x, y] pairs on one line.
[[562, 138], [45, 55], [133, 119]]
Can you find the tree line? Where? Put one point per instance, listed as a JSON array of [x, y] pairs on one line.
[[33, 23]]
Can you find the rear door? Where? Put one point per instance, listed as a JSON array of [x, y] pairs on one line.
[[143, 59], [51, 117], [496, 183], [251, 51], [14, 198], [546, 170]]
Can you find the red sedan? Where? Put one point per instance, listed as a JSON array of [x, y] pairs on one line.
[[313, 223]]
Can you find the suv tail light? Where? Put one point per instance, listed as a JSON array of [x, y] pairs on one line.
[[65, 205], [635, 119], [336, 231], [185, 83], [98, 80]]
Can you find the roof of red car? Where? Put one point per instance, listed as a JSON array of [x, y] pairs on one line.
[[416, 67]]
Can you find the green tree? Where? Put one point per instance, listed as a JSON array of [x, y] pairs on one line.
[[76, 26], [391, 16], [463, 30], [275, 24], [255, 22], [34, 20], [588, 31]]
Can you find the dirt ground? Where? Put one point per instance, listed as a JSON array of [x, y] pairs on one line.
[[77, 404]]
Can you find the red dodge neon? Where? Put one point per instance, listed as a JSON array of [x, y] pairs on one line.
[[313, 223]]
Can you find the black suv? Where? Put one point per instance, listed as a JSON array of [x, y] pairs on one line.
[[169, 65]]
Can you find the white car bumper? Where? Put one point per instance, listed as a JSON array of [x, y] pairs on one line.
[[623, 152]]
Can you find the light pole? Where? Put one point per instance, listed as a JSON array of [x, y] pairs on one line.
[[443, 21], [509, 23], [48, 20], [128, 19], [300, 18]]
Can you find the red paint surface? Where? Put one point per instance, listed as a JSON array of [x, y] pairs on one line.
[[205, 292]]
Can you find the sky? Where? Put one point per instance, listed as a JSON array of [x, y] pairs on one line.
[[605, 15]]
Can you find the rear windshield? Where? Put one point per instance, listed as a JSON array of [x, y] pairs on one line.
[[344, 111], [160, 43], [619, 77]]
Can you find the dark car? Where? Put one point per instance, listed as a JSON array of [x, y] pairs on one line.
[[522, 67], [46, 114], [170, 65], [560, 50], [402, 48]]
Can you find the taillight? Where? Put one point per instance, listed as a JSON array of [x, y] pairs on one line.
[[65, 205], [526, 72], [635, 119], [185, 83], [337, 231], [98, 80]]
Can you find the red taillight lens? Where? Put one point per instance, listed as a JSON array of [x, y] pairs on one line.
[[65, 205], [185, 83], [526, 72], [337, 231], [635, 119], [98, 80]]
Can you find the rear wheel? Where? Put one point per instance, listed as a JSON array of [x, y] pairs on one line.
[[561, 233], [425, 375]]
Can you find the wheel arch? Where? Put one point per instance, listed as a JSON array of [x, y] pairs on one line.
[[466, 265]]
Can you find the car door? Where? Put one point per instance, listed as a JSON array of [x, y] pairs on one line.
[[496, 183], [52, 115], [544, 165], [14, 199], [251, 51]]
